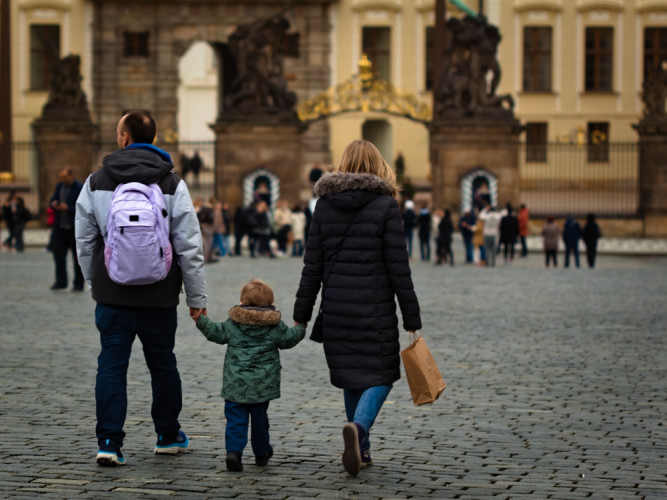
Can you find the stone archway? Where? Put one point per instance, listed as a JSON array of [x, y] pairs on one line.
[[145, 75], [470, 184]]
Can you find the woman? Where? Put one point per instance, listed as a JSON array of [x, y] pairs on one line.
[[551, 235], [356, 248]]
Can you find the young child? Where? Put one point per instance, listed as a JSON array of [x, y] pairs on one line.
[[251, 374]]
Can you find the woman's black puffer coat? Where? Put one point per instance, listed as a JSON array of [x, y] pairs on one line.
[[358, 224]]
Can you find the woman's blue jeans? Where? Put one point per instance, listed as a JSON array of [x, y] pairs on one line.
[[363, 405]]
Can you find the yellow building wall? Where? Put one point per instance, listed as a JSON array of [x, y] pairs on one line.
[[566, 109], [74, 18]]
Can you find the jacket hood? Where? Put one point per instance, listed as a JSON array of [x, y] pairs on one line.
[[136, 165], [254, 317], [348, 191]]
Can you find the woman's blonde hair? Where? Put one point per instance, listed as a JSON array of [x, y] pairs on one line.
[[362, 157]]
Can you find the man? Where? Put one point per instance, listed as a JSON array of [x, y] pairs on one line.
[[571, 237], [63, 203], [467, 228], [148, 311]]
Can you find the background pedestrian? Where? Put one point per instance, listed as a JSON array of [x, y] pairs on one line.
[[591, 235], [571, 237], [550, 236], [63, 203], [524, 221]]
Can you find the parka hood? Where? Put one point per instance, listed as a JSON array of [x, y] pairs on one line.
[[348, 191], [254, 317], [136, 165]]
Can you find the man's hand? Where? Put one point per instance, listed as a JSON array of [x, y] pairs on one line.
[[195, 313]]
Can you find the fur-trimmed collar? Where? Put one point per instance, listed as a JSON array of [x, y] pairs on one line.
[[337, 182], [254, 317]]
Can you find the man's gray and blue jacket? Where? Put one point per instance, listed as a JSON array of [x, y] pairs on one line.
[[146, 165]]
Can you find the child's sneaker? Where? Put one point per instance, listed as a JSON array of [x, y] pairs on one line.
[[110, 454], [233, 462], [351, 453], [171, 445], [366, 460], [264, 460]]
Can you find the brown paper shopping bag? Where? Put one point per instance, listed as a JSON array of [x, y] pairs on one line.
[[426, 383]]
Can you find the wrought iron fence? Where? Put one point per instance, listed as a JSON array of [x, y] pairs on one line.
[[557, 179]]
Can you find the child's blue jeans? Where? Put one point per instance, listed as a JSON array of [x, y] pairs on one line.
[[236, 433], [363, 405]]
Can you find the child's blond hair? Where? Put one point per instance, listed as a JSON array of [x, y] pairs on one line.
[[256, 293]]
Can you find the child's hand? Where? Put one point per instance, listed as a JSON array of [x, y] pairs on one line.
[[195, 313]]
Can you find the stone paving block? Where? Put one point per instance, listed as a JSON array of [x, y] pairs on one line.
[[569, 379]]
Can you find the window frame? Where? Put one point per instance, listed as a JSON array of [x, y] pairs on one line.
[[534, 53], [47, 62], [598, 54], [375, 51], [536, 142], [133, 40], [655, 53], [598, 148]]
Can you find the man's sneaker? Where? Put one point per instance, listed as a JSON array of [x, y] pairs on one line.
[[366, 460], [351, 453], [264, 460], [171, 445], [233, 461], [110, 454]]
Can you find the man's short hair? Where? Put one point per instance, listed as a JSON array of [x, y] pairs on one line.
[[141, 126], [257, 293]]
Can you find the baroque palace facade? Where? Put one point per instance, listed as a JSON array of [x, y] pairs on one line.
[[574, 68]]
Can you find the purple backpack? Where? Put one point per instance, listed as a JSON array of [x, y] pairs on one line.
[[137, 249]]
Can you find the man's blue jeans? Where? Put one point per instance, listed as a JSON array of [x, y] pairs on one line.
[[363, 405], [572, 249], [156, 328], [236, 432]]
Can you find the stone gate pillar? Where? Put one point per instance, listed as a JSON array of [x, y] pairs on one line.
[[653, 176], [459, 148], [472, 128], [65, 135], [652, 130], [242, 148]]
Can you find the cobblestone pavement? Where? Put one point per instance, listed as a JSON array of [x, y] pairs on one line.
[[556, 389]]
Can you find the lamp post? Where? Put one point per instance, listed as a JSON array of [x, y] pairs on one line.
[[5, 95]]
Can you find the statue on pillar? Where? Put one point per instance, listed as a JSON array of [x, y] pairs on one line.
[[67, 101], [654, 93], [258, 85], [471, 72]]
